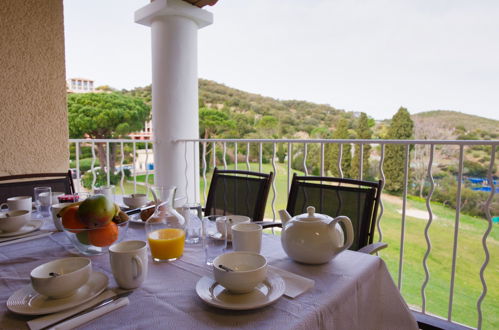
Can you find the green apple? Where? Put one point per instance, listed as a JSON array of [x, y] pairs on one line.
[[96, 211]]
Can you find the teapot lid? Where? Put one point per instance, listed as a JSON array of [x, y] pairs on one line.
[[312, 216]]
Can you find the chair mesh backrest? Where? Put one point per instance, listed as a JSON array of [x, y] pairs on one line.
[[337, 198], [23, 185], [238, 192]]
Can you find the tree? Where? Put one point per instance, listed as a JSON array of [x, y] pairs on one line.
[[105, 116], [363, 131], [401, 128], [267, 127], [332, 151], [212, 123]]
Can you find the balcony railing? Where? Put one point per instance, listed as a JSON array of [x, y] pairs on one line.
[[256, 153]]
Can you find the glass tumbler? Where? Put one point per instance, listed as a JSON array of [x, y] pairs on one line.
[[214, 237], [193, 214], [43, 200]]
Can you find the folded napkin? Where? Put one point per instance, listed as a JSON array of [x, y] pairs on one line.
[[44, 321], [295, 284], [24, 238], [82, 319]]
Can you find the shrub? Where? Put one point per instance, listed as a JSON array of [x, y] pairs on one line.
[[101, 178]]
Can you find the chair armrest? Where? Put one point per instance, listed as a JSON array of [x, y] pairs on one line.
[[373, 248], [268, 224]]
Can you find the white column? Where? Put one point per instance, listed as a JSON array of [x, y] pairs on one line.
[[174, 27]]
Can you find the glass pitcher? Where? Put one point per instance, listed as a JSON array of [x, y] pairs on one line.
[[165, 228]]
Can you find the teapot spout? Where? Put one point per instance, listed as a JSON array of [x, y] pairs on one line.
[[284, 215]]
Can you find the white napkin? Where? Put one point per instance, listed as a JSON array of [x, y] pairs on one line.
[[24, 238], [295, 284], [80, 320], [44, 321]]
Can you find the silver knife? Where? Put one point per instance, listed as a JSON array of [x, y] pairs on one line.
[[91, 308]]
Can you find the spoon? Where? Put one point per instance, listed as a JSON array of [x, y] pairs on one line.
[[227, 269], [54, 274]]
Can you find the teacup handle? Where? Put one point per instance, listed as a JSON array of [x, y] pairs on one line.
[[138, 266], [2, 206], [349, 234]]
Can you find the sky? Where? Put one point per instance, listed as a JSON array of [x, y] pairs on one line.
[[358, 55]]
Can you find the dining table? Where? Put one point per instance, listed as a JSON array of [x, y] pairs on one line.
[[352, 291]]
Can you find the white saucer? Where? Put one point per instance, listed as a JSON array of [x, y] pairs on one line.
[[27, 228], [28, 302], [264, 294]]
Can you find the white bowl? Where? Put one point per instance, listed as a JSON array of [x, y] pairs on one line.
[[70, 274], [135, 201], [249, 270], [55, 195], [13, 220]]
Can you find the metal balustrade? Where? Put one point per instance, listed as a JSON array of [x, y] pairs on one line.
[[232, 148]]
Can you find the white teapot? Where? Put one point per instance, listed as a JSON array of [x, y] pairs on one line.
[[314, 238]]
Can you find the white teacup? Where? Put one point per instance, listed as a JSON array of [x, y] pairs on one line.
[[55, 209], [231, 221], [18, 203], [129, 263], [247, 237], [107, 191]]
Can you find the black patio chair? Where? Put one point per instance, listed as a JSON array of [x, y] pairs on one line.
[[238, 192], [358, 200], [24, 184]]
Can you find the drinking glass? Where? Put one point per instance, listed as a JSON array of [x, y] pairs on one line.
[[193, 214], [214, 237], [43, 200]]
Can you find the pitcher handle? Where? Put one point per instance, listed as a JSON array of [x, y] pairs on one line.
[[138, 264], [2, 206], [348, 226]]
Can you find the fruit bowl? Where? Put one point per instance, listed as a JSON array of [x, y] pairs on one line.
[[94, 224], [96, 241]]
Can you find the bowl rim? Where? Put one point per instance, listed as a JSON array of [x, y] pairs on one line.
[[22, 213], [216, 264], [80, 230], [87, 264]]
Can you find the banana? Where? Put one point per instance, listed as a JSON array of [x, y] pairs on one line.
[[61, 212], [117, 209]]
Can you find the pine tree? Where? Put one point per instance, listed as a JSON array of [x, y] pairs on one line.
[[332, 152], [401, 128], [363, 132]]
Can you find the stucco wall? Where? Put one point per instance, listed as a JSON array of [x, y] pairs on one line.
[[33, 115]]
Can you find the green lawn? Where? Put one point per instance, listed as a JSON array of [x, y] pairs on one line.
[[470, 254]]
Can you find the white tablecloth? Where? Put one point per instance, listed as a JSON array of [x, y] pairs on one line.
[[353, 291]]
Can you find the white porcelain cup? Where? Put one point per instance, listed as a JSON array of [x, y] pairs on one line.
[[231, 221], [18, 203], [55, 209], [108, 191], [129, 263], [247, 237]]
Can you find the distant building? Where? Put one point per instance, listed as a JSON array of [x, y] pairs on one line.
[[80, 85], [145, 134]]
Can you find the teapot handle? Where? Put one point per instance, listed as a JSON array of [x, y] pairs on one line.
[[348, 225]]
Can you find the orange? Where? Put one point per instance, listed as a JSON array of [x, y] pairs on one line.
[[70, 220], [103, 236]]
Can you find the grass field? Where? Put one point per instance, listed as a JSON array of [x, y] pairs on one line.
[[470, 254]]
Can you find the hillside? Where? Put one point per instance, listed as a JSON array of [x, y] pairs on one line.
[[449, 125], [302, 119]]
